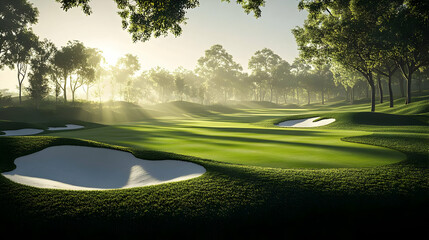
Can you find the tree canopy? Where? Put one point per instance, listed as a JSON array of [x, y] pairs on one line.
[[16, 17], [145, 19]]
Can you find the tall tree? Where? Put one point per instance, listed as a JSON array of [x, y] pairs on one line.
[[68, 60], [388, 69], [41, 67], [23, 49], [94, 60], [164, 82], [346, 78], [409, 28], [179, 84], [266, 61], [339, 31], [219, 69], [123, 72]]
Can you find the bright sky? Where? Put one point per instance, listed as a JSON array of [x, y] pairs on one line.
[[214, 22]]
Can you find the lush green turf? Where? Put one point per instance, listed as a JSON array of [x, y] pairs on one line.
[[377, 196], [244, 143], [249, 137], [225, 199]]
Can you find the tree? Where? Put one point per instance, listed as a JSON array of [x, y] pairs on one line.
[[266, 61], [299, 69], [38, 87], [144, 19], [123, 72], [67, 61], [324, 78], [219, 69], [16, 16], [340, 32], [41, 67], [84, 74], [179, 84], [164, 82], [95, 58], [191, 81], [346, 78], [281, 79], [409, 29], [388, 69], [22, 50]]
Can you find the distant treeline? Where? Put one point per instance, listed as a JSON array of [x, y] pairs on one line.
[[351, 65]]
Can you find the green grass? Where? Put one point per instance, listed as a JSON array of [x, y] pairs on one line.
[[244, 143], [226, 197], [249, 137], [365, 176]]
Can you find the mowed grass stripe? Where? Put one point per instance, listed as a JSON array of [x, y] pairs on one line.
[[245, 143]]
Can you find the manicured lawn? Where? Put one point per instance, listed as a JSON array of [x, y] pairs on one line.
[[331, 181], [249, 137], [244, 143]]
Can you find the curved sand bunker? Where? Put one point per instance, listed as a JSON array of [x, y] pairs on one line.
[[88, 168], [67, 127], [307, 122], [33, 131], [22, 132]]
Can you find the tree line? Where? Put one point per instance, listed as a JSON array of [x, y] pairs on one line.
[[373, 39], [323, 70]]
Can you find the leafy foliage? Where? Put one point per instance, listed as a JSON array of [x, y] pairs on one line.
[[145, 19]]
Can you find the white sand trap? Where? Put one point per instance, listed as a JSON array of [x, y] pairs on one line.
[[88, 168], [307, 122], [67, 127], [22, 132]]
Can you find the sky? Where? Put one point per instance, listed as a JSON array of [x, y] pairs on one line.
[[213, 22]]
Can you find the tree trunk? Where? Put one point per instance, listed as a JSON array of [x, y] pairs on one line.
[[65, 87], [390, 91], [297, 96], [371, 84], [308, 97], [401, 85], [347, 94], [22, 70], [408, 89], [380, 88], [352, 93], [323, 96], [408, 76]]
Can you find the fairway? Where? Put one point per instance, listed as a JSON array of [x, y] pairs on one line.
[[229, 139]]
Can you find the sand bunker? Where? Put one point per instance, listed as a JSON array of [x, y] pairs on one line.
[[88, 168], [22, 132], [67, 127], [307, 122]]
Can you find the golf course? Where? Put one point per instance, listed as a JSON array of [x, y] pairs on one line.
[[366, 170], [214, 119]]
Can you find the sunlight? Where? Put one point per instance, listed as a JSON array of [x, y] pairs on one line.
[[110, 55]]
